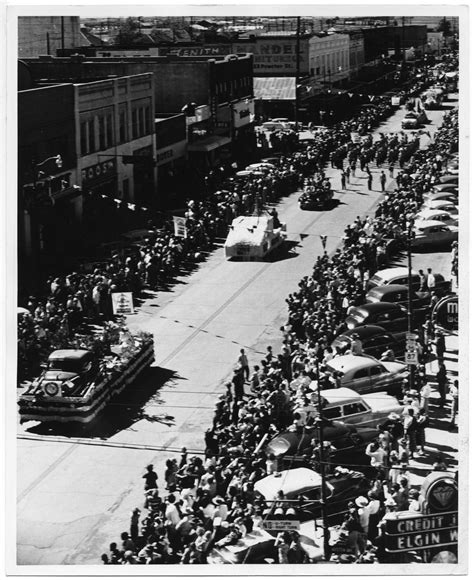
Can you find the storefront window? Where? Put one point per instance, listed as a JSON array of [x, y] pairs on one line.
[[91, 136], [102, 144], [123, 126], [109, 130], [84, 141]]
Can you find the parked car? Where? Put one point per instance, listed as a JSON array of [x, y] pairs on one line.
[[347, 405], [399, 275], [431, 233], [449, 196], [375, 340], [398, 294], [449, 179], [366, 374], [441, 204], [258, 547], [445, 187], [343, 438], [437, 215], [305, 484], [392, 317]]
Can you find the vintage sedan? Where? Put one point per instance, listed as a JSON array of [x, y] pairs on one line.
[[441, 204], [449, 179], [431, 233], [390, 316], [449, 196], [305, 485], [375, 340], [258, 546], [413, 120], [366, 374], [290, 445], [438, 215], [346, 405], [447, 187], [398, 294], [399, 275]]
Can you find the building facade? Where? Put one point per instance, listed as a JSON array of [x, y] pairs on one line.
[[211, 86], [114, 121], [329, 57]]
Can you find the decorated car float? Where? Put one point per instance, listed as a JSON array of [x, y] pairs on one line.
[[314, 197], [253, 237], [77, 383]]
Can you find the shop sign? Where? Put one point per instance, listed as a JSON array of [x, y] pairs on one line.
[[445, 313], [122, 302], [168, 154], [275, 56], [421, 541], [201, 113], [180, 229], [98, 171], [440, 493], [405, 532], [278, 525], [244, 112], [195, 50]]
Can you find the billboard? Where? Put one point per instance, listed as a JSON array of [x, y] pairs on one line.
[[275, 56]]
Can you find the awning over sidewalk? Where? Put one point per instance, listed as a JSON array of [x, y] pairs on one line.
[[274, 88], [209, 143]]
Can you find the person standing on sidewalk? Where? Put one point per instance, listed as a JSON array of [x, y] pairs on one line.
[[244, 363], [348, 174], [369, 181], [391, 169], [441, 378], [454, 392], [343, 180], [383, 180], [440, 345]]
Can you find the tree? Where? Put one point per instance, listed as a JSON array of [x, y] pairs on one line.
[[444, 26], [128, 32]]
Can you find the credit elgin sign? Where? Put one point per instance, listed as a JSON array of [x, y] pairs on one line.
[[405, 532]]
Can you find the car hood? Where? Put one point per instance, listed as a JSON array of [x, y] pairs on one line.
[[385, 402], [61, 376], [395, 367]]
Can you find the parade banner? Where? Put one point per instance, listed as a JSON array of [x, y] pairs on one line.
[[180, 227], [122, 302]]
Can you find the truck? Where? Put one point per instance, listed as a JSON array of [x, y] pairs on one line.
[[76, 383]]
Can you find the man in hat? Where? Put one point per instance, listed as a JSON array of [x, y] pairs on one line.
[[238, 382], [363, 512]]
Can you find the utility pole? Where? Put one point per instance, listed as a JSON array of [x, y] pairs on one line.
[[297, 72], [410, 294], [322, 468], [62, 33]]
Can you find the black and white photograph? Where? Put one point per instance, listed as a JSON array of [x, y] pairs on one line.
[[237, 289]]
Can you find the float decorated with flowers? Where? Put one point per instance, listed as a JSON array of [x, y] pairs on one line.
[[77, 382]]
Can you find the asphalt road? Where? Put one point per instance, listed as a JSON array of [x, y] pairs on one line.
[[77, 487]]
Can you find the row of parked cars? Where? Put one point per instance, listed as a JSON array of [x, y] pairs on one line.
[[437, 221]]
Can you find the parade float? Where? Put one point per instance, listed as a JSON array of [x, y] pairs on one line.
[[77, 383], [253, 237]]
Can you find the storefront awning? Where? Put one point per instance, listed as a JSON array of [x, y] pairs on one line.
[[274, 88], [209, 143]]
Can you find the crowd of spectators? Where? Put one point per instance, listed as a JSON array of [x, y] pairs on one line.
[[70, 303], [211, 502]]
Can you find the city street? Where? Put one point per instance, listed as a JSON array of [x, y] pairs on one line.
[[78, 486]]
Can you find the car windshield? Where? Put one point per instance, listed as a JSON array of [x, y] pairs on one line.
[[358, 316], [67, 365]]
